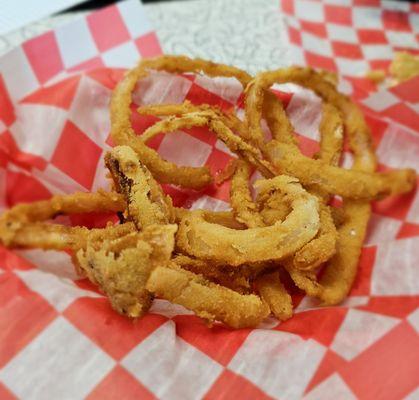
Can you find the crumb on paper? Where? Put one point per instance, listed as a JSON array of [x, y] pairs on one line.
[[376, 75], [404, 66]]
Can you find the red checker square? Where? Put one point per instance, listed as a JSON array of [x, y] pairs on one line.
[[108, 77], [294, 36], [362, 284], [372, 36], [6, 394], [93, 63], [41, 48], [23, 315], [21, 188], [329, 365], [320, 325], [112, 332], [198, 95], [396, 20], [347, 50], [288, 6], [316, 28], [77, 155], [148, 45], [407, 91], [394, 306], [10, 260], [11, 151], [107, 28], [403, 114], [307, 145], [120, 384], [408, 230], [338, 14], [7, 113], [93, 220], [232, 386], [318, 61], [379, 64], [377, 127], [60, 94], [365, 3], [181, 197], [392, 360], [394, 206], [219, 343]]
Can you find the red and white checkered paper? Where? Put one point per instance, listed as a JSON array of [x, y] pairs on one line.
[[350, 37], [59, 337]]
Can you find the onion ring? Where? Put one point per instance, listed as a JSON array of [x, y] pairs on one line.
[[205, 240]]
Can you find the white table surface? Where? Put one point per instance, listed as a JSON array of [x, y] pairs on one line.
[[247, 33]]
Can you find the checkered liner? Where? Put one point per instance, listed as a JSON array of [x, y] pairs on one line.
[[350, 37], [60, 339]]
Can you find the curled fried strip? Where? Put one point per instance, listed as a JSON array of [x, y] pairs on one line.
[[121, 267], [364, 184], [209, 118], [146, 202], [353, 184], [244, 208], [16, 223], [123, 133], [197, 237], [208, 300], [39, 235], [273, 292]]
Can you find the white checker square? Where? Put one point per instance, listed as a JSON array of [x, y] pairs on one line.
[[413, 214], [175, 369], [413, 395], [56, 181], [125, 55], [52, 262], [382, 229], [367, 17], [29, 128], [381, 100], [280, 363], [401, 39], [345, 87], [60, 363], [395, 268], [395, 5], [90, 110], [414, 21], [18, 84], [210, 203], [220, 145], [161, 87], [183, 149], [309, 11], [305, 112], [377, 51], [168, 309], [297, 54], [399, 148], [359, 330], [342, 33], [59, 292], [339, 2], [294, 22], [316, 45], [332, 388], [351, 67], [135, 18], [413, 318], [76, 43]]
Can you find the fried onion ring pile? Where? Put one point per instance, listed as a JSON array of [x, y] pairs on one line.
[[228, 266]]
